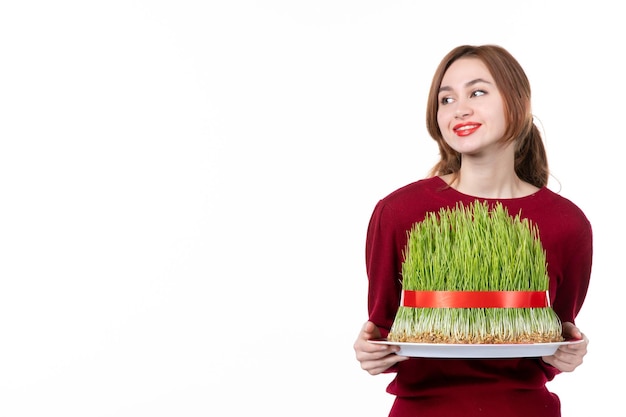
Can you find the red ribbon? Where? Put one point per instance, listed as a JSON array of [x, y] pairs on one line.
[[474, 299]]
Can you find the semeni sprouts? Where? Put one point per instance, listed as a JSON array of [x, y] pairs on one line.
[[475, 248]]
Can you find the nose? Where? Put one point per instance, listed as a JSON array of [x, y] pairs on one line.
[[462, 110], [461, 113]]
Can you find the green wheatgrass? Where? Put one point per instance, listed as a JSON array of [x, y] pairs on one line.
[[475, 248]]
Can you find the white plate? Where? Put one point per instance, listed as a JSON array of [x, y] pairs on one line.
[[486, 351]]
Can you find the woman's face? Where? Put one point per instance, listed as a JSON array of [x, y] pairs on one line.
[[471, 111]]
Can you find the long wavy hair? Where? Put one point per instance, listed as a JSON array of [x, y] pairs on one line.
[[531, 164]]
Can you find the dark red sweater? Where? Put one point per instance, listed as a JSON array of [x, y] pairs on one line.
[[475, 387]]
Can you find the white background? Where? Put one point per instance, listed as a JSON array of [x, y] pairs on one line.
[[185, 188]]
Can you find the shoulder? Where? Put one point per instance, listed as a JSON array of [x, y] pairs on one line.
[[415, 190], [408, 204], [557, 215], [560, 205]]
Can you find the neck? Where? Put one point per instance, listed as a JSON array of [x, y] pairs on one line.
[[491, 184], [495, 179]]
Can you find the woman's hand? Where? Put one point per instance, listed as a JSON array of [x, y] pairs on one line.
[[375, 358], [569, 357]]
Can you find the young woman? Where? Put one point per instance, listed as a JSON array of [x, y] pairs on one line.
[[479, 113]]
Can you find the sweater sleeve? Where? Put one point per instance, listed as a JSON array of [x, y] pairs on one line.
[[570, 253], [383, 268], [575, 268]]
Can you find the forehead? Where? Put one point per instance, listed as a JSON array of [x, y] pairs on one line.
[[464, 71]]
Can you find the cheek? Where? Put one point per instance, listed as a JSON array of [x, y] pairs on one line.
[[441, 120], [500, 122]]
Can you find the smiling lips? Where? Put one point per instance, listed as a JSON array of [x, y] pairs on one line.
[[465, 129]]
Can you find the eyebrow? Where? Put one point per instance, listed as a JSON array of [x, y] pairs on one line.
[[467, 84]]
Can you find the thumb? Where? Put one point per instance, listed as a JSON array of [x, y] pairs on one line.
[[370, 330], [570, 331]]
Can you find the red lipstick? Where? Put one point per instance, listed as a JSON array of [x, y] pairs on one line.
[[465, 129]]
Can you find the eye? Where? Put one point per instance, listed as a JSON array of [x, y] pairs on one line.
[[445, 100], [478, 93]]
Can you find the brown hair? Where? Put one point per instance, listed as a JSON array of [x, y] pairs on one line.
[[531, 164]]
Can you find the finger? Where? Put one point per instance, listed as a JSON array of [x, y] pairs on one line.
[[376, 350], [368, 328], [380, 365], [369, 331], [570, 331], [579, 348], [566, 359], [366, 350]]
